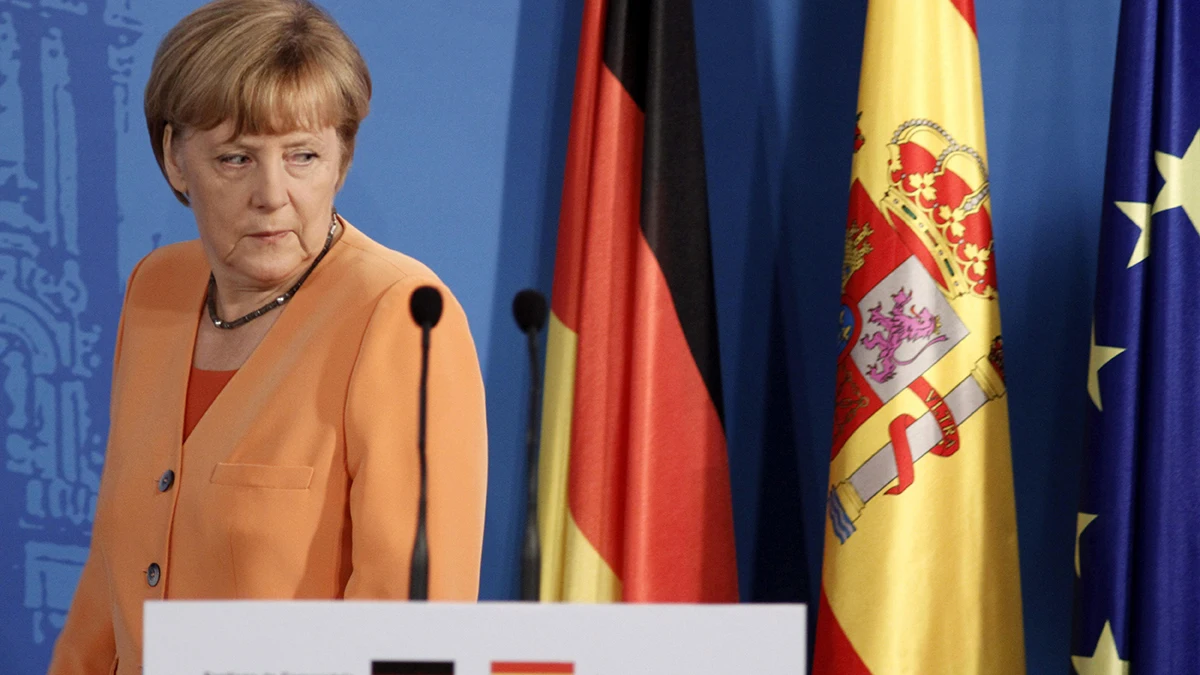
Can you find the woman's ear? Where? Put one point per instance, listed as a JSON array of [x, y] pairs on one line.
[[171, 161]]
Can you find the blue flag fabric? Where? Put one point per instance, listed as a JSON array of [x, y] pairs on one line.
[[1137, 600]]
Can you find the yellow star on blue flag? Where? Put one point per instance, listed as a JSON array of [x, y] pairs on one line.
[[1137, 559]]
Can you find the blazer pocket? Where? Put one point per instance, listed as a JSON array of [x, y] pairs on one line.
[[263, 476]]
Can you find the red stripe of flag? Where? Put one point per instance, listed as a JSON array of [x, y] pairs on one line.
[[576, 203], [967, 9], [532, 667], [833, 652]]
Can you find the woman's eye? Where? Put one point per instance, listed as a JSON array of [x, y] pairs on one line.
[[304, 157], [235, 160]]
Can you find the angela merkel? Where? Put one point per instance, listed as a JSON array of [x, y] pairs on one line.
[[263, 436]]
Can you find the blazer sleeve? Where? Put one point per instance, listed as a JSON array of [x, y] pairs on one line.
[[382, 456], [87, 643]]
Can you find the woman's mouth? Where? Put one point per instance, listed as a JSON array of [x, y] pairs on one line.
[[270, 237]]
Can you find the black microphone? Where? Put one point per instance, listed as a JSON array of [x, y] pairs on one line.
[[529, 309], [426, 308]]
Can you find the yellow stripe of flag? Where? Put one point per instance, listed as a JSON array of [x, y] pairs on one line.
[[572, 568]]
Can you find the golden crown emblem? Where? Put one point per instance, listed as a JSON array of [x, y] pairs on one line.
[[939, 191]]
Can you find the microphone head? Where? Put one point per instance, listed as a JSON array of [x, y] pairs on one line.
[[426, 306], [529, 309]]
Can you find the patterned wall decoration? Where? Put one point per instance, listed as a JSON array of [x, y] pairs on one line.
[[65, 100]]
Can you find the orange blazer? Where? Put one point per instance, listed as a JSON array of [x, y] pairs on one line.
[[301, 479]]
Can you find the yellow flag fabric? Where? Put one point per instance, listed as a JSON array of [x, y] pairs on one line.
[[920, 570]]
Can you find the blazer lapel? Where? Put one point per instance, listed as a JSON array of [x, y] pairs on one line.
[[159, 337], [248, 393]]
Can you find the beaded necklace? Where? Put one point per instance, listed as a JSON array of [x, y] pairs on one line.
[[211, 299]]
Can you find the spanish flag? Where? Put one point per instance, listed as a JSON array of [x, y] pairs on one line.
[[634, 479], [920, 569]]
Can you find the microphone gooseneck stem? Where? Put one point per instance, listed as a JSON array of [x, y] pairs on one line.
[[418, 578], [531, 552]]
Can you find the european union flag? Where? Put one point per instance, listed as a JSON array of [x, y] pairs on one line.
[[1137, 559]]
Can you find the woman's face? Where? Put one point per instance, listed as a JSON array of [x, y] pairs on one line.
[[262, 203]]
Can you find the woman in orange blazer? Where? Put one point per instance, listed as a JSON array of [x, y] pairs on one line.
[[263, 439]]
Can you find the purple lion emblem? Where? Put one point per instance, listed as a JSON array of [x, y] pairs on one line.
[[900, 325]]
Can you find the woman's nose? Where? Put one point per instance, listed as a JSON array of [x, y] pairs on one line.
[[270, 191]]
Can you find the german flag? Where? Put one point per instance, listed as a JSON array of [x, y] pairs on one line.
[[532, 668], [634, 478]]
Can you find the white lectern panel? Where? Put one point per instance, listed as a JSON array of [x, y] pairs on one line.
[[392, 638]]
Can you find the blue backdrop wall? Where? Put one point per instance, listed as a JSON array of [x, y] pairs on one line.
[[460, 164]]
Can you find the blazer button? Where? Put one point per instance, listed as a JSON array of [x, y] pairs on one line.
[[153, 574], [166, 480]]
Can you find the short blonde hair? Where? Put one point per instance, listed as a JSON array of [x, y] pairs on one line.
[[267, 66]]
